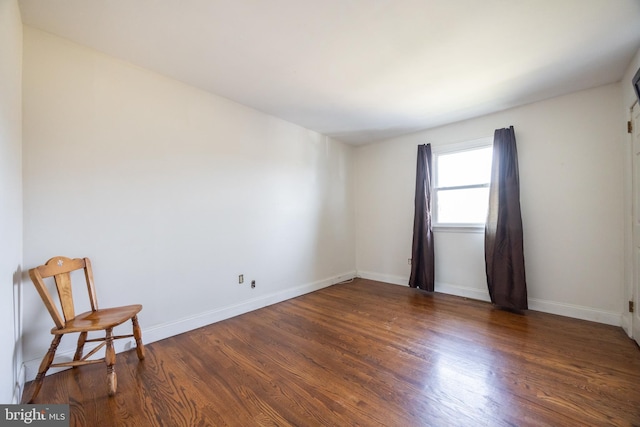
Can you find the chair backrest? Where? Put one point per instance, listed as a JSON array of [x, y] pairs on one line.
[[60, 268]]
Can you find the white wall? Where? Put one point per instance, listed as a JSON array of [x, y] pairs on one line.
[[628, 99], [10, 199], [173, 192], [571, 156]]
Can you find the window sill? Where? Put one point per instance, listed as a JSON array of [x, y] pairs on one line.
[[459, 228]]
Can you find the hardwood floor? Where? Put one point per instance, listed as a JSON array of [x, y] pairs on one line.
[[369, 354]]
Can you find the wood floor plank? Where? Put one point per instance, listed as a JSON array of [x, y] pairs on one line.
[[370, 354]]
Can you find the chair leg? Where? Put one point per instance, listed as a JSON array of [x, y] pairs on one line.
[[110, 359], [81, 340], [44, 366], [137, 333]]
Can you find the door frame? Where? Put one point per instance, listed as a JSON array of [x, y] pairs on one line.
[[632, 270]]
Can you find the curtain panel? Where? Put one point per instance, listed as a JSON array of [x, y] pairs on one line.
[[422, 253], [504, 248]]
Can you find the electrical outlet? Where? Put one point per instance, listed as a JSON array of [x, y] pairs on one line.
[[241, 278], [409, 261], [253, 284]]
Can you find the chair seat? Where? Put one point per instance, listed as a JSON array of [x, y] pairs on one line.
[[99, 320]]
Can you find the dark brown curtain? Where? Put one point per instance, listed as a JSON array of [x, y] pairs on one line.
[[503, 241], [422, 255]]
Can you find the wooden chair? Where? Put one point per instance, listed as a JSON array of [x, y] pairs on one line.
[[95, 320]]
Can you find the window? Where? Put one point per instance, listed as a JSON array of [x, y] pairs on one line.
[[462, 173]]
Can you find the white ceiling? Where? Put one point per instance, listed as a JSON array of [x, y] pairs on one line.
[[362, 70]]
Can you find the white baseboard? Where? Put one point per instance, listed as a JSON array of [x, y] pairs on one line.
[[386, 278], [545, 306], [626, 324], [461, 291], [19, 386], [576, 311], [444, 288], [169, 329]]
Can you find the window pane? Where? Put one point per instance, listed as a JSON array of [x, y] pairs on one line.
[[465, 206], [464, 168]]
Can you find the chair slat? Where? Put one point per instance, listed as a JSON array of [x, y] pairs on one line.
[[36, 278], [58, 265], [91, 288], [65, 293]]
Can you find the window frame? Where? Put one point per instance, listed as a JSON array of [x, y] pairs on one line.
[[459, 147]]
